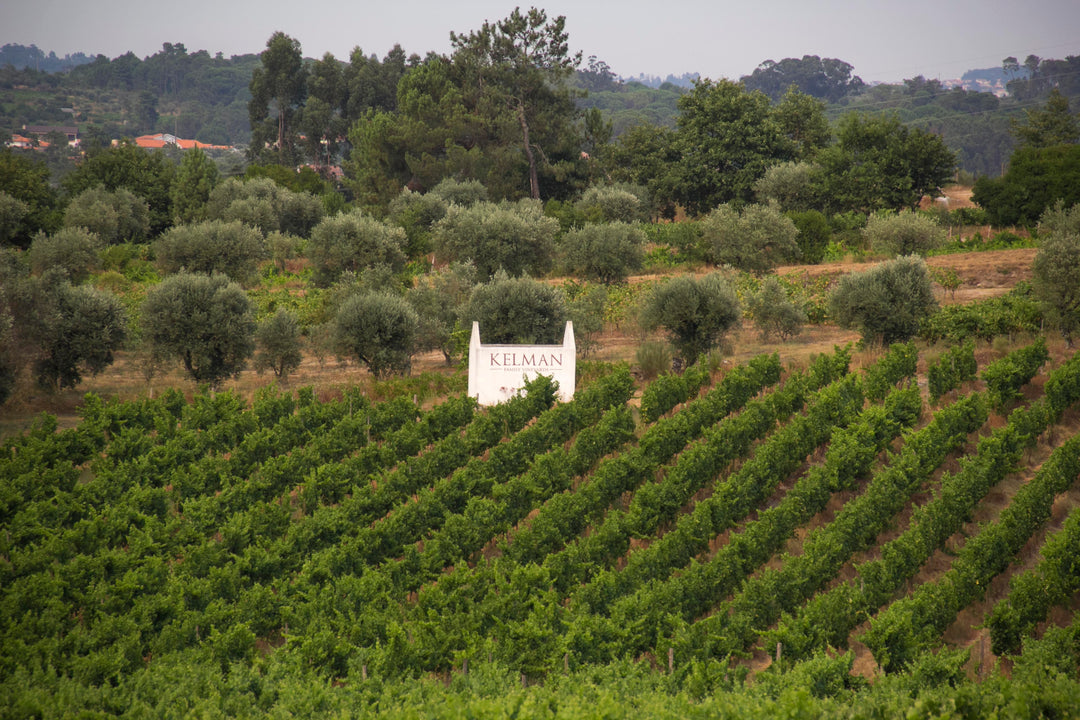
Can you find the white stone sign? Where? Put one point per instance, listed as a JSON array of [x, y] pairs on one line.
[[498, 372]]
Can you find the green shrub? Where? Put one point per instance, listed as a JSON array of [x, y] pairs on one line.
[[230, 248], [379, 330], [886, 303], [517, 310], [755, 239], [696, 312], [903, 233], [653, 358], [607, 253], [775, 314]]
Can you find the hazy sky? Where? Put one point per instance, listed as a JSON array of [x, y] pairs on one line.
[[886, 41]]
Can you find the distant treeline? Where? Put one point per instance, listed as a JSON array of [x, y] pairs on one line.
[[32, 57]]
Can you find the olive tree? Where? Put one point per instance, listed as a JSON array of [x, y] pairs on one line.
[[115, 216], [1056, 268], [756, 240], [902, 233], [12, 213], [607, 253], [262, 203], [695, 312], [465, 193], [774, 312], [72, 329], [887, 302], [353, 242], [205, 321], [278, 341], [214, 246], [517, 310], [514, 236], [438, 300], [379, 330], [791, 185], [614, 203], [72, 250], [416, 213]]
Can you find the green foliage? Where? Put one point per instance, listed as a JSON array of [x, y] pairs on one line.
[[774, 313], [669, 389], [148, 175], [12, 213], [1037, 178], [416, 213], [727, 138], [1006, 376], [1016, 311], [75, 330], [653, 358], [756, 239], [353, 242], [898, 364], [957, 365], [683, 237], [515, 237], [379, 330], [204, 321], [695, 312], [903, 233], [1056, 271], [517, 310], [914, 622], [9, 362], [196, 177], [214, 246], [278, 341], [116, 217], [264, 204], [814, 234], [823, 78], [282, 248], [465, 193], [1033, 592], [439, 301], [586, 309], [886, 303], [520, 63], [26, 180], [791, 185], [1051, 125], [280, 81], [646, 155], [878, 163], [73, 251], [607, 253], [613, 203]]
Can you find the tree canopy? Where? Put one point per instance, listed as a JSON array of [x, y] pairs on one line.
[[278, 88], [827, 79], [206, 322]]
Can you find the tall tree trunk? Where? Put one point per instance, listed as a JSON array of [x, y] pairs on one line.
[[534, 180], [280, 128]]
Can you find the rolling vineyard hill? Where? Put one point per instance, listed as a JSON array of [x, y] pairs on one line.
[[169, 557]]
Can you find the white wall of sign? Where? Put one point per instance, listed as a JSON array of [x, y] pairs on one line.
[[498, 372]]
